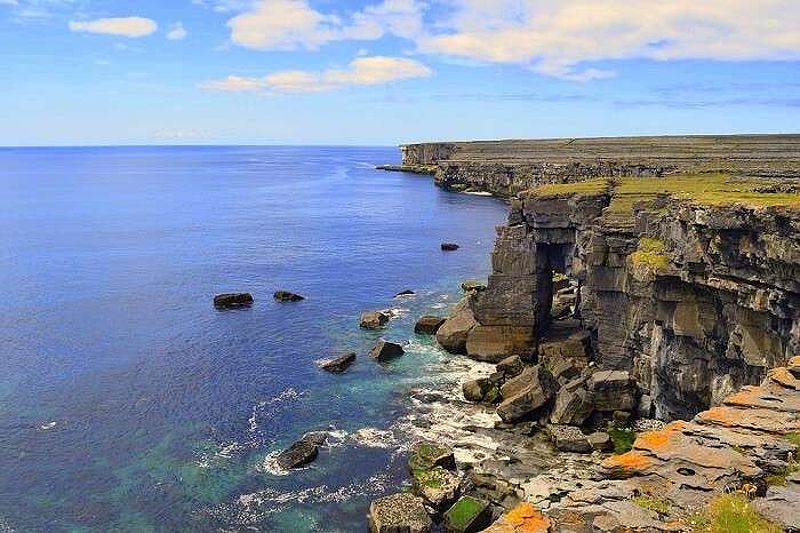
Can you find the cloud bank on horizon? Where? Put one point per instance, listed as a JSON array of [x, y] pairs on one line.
[[538, 48]]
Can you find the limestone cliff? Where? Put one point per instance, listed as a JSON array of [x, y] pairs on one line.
[[505, 168]]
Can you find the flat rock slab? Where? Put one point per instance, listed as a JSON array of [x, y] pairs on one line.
[[233, 300], [399, 513], [524, 518], [338, 364]]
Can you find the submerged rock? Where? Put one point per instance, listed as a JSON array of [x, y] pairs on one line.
[[374, 319], [384, 350], [303, 451], [399, 513], [233, 300], [450, 247], [338, 364], [286, 296], [428, 325], [407, 292]]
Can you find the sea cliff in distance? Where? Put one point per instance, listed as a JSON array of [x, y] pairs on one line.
[[641, 319]]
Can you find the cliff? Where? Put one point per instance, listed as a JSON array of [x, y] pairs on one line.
[[505, 168]]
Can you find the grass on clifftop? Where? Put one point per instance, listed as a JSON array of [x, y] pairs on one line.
[[704, 189], [732, 513]]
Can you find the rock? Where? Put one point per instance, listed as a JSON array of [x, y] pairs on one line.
[[794, 366], [560, 282], [453, 334], [526, 393], [511, 366], [613, 390], [573, 404], [569, 439], [407, 292], [374, 319], [429, 455], [621, 419], [481, 390], [600, 441], [524, 518], [302, 452], [338, 364], [399, 513], [233, 300], [428, 325], [472, 285], [437, 486], [449, 247], [286, 296], [384, 350], [467, 515]]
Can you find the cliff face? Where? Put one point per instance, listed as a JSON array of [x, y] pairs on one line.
[[692, 284], [506, 168]]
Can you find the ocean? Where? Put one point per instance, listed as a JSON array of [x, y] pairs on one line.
[[129, 404]]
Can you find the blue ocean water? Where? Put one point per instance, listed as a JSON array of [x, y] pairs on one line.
[[129, 404]]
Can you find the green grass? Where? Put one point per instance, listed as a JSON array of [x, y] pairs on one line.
[[650, 254], [622, 439], [732, 513], [793, 438], [658, 505], [464, 512], [577, 188]]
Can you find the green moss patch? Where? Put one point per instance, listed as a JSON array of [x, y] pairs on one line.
[[650, 254], [464, 512], [622, 439], [658, 505]]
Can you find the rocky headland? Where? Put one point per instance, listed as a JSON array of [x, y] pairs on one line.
[[637, 332]]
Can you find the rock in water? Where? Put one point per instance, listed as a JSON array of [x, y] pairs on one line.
[[482, 390], [233, 300], [428, 325], [468, 515], [303, 451], [399, 513], [339, 364], [449, 247], [374, 319], [286, 296], [453, 334], [384, 350], [407, 292], [428, 455]]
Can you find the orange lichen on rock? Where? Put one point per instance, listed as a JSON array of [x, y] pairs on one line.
[[627, 464], [524, 518], [783, 377]]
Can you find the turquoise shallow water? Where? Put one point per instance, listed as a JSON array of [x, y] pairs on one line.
[[127, 403]]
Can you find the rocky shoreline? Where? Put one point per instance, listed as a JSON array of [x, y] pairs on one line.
[[616, 305]]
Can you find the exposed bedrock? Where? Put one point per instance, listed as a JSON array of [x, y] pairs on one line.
[[694, 301], [505, 168]]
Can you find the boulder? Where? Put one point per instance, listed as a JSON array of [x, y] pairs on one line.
[[303, 451], [573, 405], [374, 319], [569, 439], [473, 285], [613, 390], [286, 296], [233, 300], [600, 441], [399, 513], [438, 487], [454, 332], [429, 455], [407, 292], [338, 364], [428, 325], [482, 390], [511, 367], [384, 350], [794, 366], [526, 393], [449, 247], [468, 515]]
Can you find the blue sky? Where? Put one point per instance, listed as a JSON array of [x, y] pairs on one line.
[[380, 72]]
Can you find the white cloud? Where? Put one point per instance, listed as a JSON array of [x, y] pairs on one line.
[[376, 70], [125, 27], [294, 24], [556, 37], [177, 32]]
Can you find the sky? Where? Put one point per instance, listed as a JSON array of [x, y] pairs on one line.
[[383, 72]]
